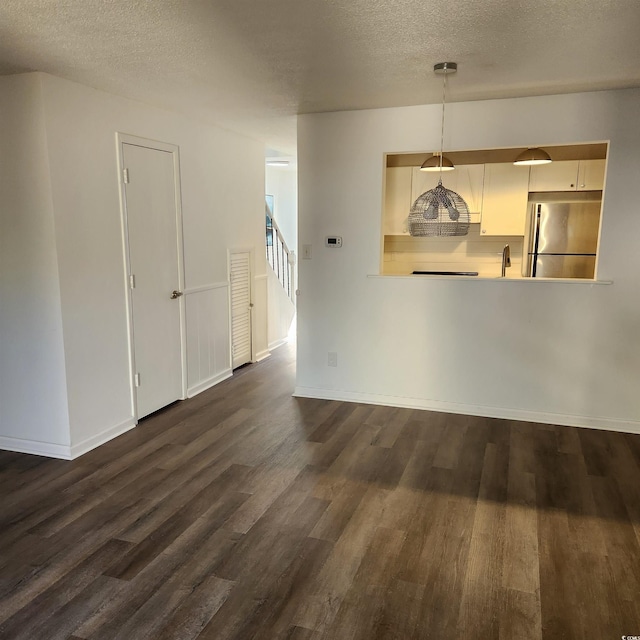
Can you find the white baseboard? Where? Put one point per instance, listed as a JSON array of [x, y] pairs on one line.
[[277, 343], [506, 413], [104, 436], [261, 355], [36, 447], [208, 383]]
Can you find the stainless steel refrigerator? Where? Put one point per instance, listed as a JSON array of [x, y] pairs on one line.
[[563, 239]]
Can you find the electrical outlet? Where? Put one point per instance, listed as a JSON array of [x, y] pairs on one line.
[[332, 360]]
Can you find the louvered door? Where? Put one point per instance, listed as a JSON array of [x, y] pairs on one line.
[[240, 308]]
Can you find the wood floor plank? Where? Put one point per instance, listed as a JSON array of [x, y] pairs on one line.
[[520, 571], [449, 450], [483, 596], [114, 618], [362, 605], [196, 611], [520, 617], [275, 594], [247, 514], [318, 610], [400, 612], [71, 616], [216, 499], [21, 625]]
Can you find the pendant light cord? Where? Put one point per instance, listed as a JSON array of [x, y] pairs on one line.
[[444, 95]]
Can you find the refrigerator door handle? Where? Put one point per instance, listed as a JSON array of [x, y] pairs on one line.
[[536, 239]]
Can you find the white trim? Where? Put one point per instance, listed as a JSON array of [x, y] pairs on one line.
[[262, 276], [148, 143], [124, 229], [262, 355], [207, 287], [208, 383], [104, 436], [36, 448], [507, 413], [277, 343]]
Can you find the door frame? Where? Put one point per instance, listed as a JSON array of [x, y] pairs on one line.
[[230, 252], [174, 150]]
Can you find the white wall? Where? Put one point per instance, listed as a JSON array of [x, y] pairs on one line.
[[282, 184], [281, 312], [556, 352], [33, 398], [67, 256], [222, 177]]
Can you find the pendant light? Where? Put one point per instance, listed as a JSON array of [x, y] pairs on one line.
[[531, 157], [438, 161], [440, 211]]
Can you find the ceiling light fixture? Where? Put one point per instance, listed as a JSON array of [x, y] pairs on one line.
[[532, 156], [439, 211], [439, 162]]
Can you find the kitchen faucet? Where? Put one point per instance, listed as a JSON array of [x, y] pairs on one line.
[[506, 259]]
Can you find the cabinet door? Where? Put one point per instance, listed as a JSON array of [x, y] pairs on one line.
[[470, 184], [504, 203], [397, 201], [557, 176], [465, 180], [591, 175]]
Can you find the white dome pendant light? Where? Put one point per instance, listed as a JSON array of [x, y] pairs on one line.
[[530, 157], [439, 211]]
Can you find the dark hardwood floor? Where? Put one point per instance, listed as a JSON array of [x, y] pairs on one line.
[[246, 513]]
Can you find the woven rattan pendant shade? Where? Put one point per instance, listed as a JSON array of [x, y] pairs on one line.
[[440, 211]]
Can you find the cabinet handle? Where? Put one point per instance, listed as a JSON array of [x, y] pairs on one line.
[[484, 231]]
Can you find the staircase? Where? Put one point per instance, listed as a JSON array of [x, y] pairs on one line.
[[281, 259]]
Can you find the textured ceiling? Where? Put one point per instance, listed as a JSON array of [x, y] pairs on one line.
[[250, 65]]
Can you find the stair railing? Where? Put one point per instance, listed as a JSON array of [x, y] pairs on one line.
[[281, 259]]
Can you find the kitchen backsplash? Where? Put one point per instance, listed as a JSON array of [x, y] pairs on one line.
[[473, 252]]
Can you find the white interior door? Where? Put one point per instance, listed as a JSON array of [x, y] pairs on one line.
[[152, 225], [240, 269]]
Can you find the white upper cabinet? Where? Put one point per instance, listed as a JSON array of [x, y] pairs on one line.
[[591, 175], [570, 175], [497, 194], [504, 205], [397, 201], [465, 180]]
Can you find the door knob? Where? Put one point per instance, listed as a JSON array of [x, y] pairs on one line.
[[176, 294]]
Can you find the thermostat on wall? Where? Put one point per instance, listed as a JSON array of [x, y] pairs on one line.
[[333, 241]]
